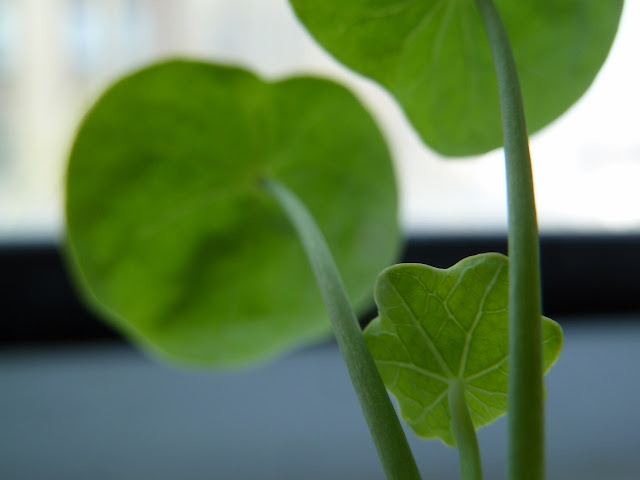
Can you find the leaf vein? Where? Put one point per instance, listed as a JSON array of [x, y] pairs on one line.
[[429, 408], [492, 368], [426, 19], [434, 350], [486, 392], [481, 404], [415, 368], [479, 313]]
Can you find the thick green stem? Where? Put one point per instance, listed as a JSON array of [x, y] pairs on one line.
[[388, 436], [465, 433], [526, 398]]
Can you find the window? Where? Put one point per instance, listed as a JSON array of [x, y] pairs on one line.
[[585, 164]]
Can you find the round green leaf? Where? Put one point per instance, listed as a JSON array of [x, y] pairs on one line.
[[434, 57], [437, 326], [172, 234]]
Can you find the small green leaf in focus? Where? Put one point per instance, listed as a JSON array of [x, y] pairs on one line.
[[434, 57], [171, 234], [436, 326]]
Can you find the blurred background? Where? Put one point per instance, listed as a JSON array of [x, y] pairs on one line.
[[56, 57], [77, 402]]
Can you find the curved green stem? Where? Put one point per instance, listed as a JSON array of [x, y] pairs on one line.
[[526, 398], [465, 433], [388, 436]]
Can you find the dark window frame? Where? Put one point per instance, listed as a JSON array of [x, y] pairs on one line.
[[583, 276]]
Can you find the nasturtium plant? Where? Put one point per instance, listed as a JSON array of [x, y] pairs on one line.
[[439, 326], [172, 235], [434, 57]]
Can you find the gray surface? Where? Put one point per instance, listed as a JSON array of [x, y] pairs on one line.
[[110, 413]]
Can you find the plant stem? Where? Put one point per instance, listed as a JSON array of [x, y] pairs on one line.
[[388, 436], [526, 398], [465, 433]]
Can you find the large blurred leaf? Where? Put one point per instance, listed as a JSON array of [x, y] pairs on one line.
[[174, 237], [433, 55], [439, 325]]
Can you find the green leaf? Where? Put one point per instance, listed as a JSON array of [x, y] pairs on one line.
[[172, 234], [434, 57], [437, 326]]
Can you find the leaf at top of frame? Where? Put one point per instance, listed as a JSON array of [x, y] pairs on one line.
[[434, 57]]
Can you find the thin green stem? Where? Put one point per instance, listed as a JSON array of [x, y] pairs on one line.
[[465, 433], [526, 398], [388, 436]]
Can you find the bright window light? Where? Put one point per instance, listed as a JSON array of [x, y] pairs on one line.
[[586, 165]]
